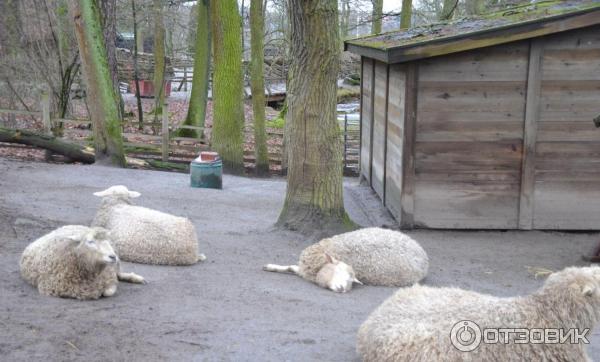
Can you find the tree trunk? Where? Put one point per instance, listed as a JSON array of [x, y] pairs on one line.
[[69, 150], [108, 11], [376, 16], [406, 15], [228, 101], [136, 75], [197, 107], [102, 99], [257, 26], [314, 197], [448, 9], [159, 58]]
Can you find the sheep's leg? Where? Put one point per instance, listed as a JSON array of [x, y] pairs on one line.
[[294, 269], [110, 291], [131, 278]]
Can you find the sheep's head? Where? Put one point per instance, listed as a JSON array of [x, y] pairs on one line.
[[580, 286], [94, 249], [118, 191], [337, 275]]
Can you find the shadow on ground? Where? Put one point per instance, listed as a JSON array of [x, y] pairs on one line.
[[225, 308]]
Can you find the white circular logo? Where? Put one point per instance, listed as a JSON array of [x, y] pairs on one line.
[[465, 336]]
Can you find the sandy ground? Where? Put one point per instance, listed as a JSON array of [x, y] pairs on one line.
[[225, 308]]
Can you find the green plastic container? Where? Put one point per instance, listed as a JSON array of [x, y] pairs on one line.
[[207, 174]]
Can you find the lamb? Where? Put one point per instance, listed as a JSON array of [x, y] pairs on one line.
[[448, 324], [144, 235], [372, 256], [74, 261]]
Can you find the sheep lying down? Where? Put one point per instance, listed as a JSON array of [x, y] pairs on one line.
[[436, 324], [372, 256], [143, 235], [74, 261]]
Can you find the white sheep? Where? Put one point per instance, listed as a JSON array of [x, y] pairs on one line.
[[74, 261], [144, 235], [421, 323], [372, 256]]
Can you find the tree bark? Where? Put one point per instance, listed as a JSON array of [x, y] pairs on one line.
[[108, 11], [376, 16], [69, 150], [314, 196], [257, 79], [448, 9], [159, 58], [102, 99], [228, 102], [136, 76], [197, 107], [405, 17]]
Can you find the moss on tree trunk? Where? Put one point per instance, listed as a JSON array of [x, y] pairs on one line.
[[257, 81], [405, 17], [228, 102], [159, 58], [314, 197], [197, 107], [376, 16], [102, 99]]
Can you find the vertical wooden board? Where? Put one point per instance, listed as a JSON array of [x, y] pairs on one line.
[[378, 148], [395, 139], [407, 196], [532, 115], [567, 182], [366, 118]]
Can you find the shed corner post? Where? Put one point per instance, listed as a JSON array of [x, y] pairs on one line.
[[532, 115], [407, 198]]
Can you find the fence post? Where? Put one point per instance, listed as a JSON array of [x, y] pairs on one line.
[[185, 79], [45, 105], [345, 139], [165, 132]]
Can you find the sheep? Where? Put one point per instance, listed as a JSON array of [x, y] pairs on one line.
[[74, 261], [423, 323], [143, 235], [372, 256]]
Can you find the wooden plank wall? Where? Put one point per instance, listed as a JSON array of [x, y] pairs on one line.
[[567, 167], [379, 129], [469, 136], [395, 138], [366, 116]]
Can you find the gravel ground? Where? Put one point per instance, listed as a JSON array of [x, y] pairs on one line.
[[226, 308]]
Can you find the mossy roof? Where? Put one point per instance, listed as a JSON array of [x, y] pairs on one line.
[[512, 24]]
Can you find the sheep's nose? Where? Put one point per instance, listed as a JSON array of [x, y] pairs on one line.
[[112, 257]]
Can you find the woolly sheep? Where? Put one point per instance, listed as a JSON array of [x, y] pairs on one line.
[[416, 323], [371, 256], [144, 235], [74, 261]]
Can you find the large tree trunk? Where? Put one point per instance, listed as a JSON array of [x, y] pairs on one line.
[[197, 107], [376, 16], [406, 15], [228, 102], [448, 9], [314, 197], [257, 25], [108, 11], [136, 74], [159, 58], [69, 150], [102, 99]]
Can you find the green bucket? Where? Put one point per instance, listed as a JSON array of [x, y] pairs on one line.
[[207, 174]]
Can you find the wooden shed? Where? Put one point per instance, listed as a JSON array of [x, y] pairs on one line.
[[486, 123]]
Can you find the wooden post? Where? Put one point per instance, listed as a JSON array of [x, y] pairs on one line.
[[345, 139], [407, 196], [532, 114], [45, 105], [185, 78], [165, 132]]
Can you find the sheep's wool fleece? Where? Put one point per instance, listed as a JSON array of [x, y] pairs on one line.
[[51, 265], [415, 323], [378, 257], [143, 235]]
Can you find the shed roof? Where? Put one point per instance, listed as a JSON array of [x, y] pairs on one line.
[[522, 22]]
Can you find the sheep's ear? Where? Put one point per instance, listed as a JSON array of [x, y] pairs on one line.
[[588, 290], [358, 281], [330, 259], [102, 193], [134, 194]]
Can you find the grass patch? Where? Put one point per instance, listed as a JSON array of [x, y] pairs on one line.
[[346, 94], [174, 166]]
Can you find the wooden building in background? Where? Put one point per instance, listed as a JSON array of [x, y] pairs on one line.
[[486, 123]]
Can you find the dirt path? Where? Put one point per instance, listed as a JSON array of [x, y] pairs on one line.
[[225, 308]]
